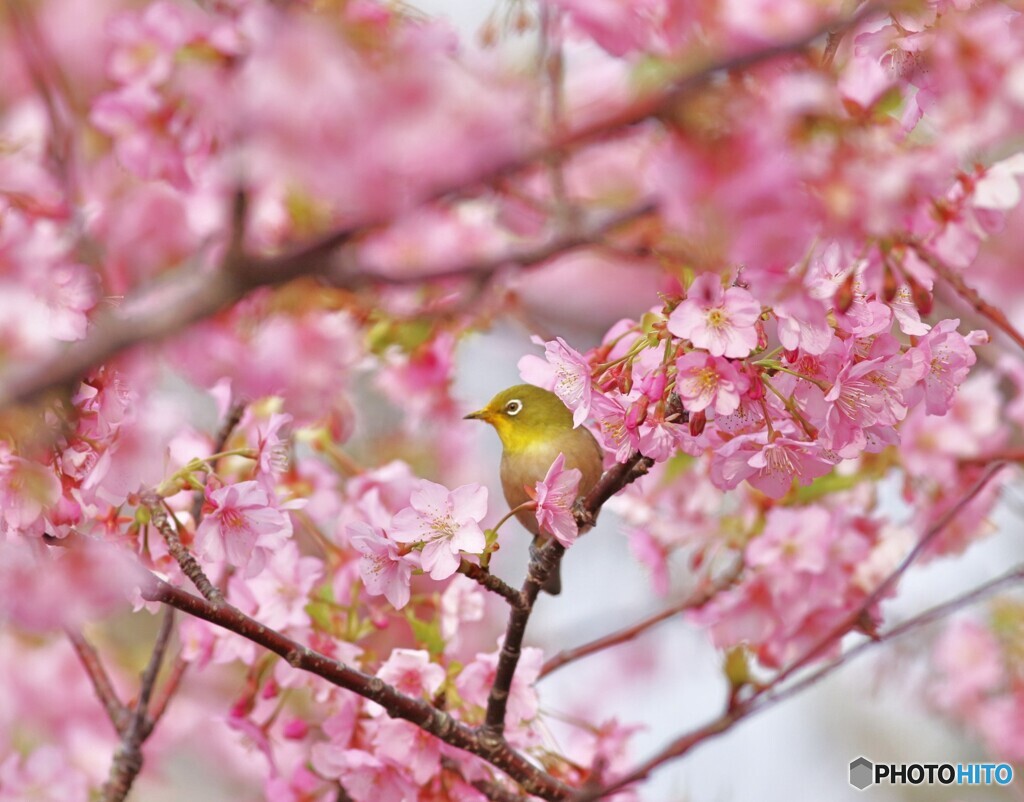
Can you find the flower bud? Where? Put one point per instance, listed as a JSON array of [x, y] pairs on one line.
[[698, 420], [923, 298], [295, 730], [890, 287], [845, 295]]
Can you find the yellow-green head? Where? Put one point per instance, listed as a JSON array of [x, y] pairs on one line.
[[525, 415]]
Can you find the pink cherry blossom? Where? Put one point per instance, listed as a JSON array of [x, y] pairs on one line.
[[446, 522], [462, 602], [613, 427], [27, 490], [412, 673], [365, 777], [555, 495], [402, 743], [242, 526], [947, 358], [47, 773], [383, 570], [704, 381], [565, 372], [279, 594], [720, 321], [969, 666], [770, 466]]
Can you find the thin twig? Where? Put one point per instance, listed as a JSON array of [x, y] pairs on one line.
[[489, 581], [418, 711], [750, 707], [969, 294], [90, 659], [171, 686], [189, 566], [864, 608], [128, 759], [701, 596]]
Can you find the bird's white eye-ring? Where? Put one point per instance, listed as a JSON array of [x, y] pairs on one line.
[[514, 407]]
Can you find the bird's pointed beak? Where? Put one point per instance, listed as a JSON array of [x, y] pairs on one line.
[[480, 414]]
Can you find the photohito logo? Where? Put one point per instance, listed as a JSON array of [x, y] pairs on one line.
[[864, 773]]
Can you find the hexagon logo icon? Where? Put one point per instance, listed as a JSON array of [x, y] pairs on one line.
[[862, 773]]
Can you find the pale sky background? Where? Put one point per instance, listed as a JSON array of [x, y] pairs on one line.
[[799, 750]]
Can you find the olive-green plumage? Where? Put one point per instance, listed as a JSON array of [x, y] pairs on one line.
[[535, 426]]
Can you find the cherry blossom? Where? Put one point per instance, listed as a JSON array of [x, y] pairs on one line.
[[565, 372], [446, 522], [383, 570], [720, 321], [704, 381], [555, 495], [243, 527]]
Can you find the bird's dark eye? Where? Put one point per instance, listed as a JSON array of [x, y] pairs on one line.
[[514, 407]]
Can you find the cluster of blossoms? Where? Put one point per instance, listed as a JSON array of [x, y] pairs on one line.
[[854, 183], [776, 398], [978, 681]]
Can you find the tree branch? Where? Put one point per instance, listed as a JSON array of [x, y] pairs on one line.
[[698, 598], [194, 294], [489, 581], [542, 562], [189, 566], [421, 713], [128, 758], [90, 659], [864, 608], [776, 694], [969, 294]]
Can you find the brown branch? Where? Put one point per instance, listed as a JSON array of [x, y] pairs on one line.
[[489, 581], [189, 566], [421, 713], [90, 659], [698, 598], [195, 294], [128, 759], [523, 256], [542, 562], [969, 294], [171, 686], [776, 694]]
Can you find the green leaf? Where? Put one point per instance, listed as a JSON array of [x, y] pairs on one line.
[[427, 633]]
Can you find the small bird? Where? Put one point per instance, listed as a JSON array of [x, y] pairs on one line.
[[535, 426]]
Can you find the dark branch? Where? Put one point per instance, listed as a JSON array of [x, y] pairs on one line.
[[489, 581], [189, 566], [542, 563], [970, 295], [128, 758], [90, 659], [421, 713]]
